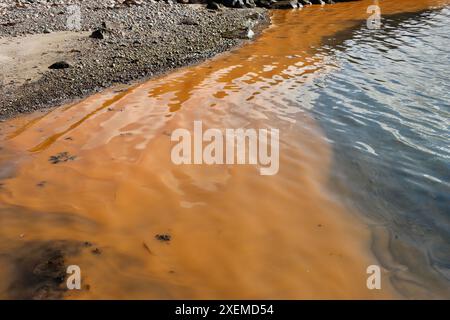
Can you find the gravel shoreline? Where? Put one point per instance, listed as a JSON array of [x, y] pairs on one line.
[[115, 45]]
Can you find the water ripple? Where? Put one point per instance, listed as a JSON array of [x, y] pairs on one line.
[[387, 110]]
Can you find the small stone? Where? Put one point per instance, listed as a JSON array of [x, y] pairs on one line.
[[87, 244], [41, 184], [163, 237]]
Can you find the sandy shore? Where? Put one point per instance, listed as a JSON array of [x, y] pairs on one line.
[[133, 43]]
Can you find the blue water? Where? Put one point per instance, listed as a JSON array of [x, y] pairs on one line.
[[386, 110]]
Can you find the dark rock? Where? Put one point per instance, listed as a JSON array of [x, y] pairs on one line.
[[61, 157], [234, 3], [97, 251], [249, 3], [239, 3], [265, 3], [212, 5], [163, 237], [52, 267], [285, 4], [59, 65], [8, 24], [40, 270], [98, 34], [87, 244]]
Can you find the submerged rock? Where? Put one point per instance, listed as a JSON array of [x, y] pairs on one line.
[[52, 267], [163, 237], [96, 251], [40, 269], [61, 157]]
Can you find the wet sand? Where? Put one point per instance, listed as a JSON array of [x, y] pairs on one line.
[[234, 233]]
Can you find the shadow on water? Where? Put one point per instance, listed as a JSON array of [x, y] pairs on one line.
[[386, 113]]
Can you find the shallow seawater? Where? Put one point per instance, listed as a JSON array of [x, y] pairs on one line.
[[362, 180], [386, 112]]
